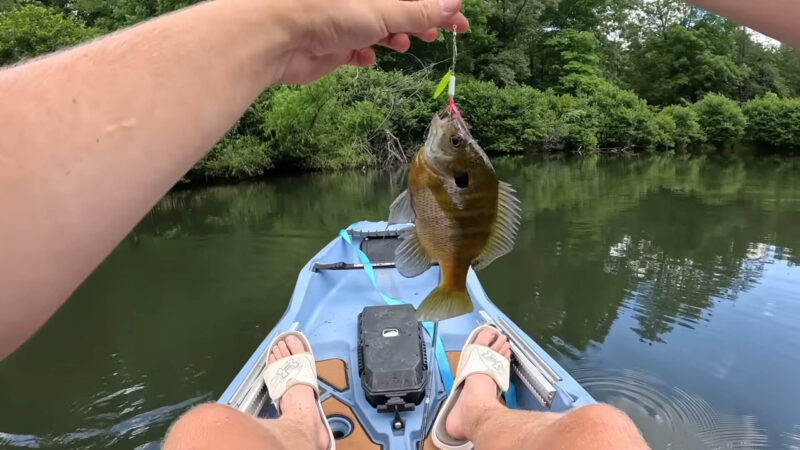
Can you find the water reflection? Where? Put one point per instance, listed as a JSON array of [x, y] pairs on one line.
[[667, 285]]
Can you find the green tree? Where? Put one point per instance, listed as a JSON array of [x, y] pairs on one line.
[[682, 64], [577, 66], [32, 30]]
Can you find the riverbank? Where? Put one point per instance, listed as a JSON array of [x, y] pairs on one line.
[[358, 118]]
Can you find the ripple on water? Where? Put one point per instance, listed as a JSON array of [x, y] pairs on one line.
[[669, 417], [107, 436], [791, 439]]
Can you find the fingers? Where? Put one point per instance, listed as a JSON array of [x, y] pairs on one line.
[[419, 16], [398, 41], [364, 57], [429, 35]]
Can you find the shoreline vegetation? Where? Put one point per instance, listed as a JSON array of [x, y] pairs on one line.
[[550, 78]]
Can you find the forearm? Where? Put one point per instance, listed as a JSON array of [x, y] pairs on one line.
[[115, 122], [775, 18]]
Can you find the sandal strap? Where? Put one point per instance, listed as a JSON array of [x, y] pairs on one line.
[[477, 358]]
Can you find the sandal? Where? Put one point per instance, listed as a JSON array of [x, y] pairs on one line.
[[474, 359], [286, 372]]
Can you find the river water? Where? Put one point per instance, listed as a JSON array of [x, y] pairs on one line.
[[669, 287]]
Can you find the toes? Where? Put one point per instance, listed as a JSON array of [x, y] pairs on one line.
[[284, 349], [485, 337], [499, 343], [287, 347], [505, 350], [295, 345]]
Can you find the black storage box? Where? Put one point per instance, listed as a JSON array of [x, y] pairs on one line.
[[391, 357]]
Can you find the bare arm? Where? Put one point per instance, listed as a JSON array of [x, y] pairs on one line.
[[92, 137], [777, 19]]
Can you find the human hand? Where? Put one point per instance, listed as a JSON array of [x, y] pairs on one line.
[[332, 33]]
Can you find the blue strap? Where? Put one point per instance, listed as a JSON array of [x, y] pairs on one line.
[[441, 357]]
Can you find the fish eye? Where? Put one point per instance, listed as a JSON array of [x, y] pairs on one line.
[[455, 141]]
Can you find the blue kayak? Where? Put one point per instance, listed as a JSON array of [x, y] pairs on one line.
[[356, 271]]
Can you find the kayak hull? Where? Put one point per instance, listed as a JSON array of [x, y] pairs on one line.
[[325, 305]]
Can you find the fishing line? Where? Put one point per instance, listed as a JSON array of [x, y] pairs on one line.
[[448, 80]]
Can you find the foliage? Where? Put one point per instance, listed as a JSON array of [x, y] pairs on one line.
[[533, 76], [32, 30], [721, 119], [505, 120], [312, 127], [237, 157], [774, 121], [681, 64], [578, 67], [687, 127]]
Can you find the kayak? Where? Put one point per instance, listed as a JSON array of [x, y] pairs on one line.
[[382, 380]]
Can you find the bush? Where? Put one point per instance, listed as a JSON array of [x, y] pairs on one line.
[[238, 157], [509, 120], [621, 119], [721, 119], [687, 128], [357, 117], [774, 121], [575, 124], [313, 127], [665, 130], [405, 101]]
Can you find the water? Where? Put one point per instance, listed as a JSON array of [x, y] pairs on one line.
[[668, 287]]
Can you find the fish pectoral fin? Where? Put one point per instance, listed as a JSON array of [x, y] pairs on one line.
[[409, 257], [401, 210], [441, 304], [504, 230]]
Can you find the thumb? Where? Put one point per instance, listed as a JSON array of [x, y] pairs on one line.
[[416, 16]]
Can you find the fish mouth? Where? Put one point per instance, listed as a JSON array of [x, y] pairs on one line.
[[451, 116]]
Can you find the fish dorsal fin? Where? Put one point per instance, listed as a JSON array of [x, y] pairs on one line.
[[401, 210], [409, 257], [504, 229]]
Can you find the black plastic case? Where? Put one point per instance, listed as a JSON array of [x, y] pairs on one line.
[[391, 357]]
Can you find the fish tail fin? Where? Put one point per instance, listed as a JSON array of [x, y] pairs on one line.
[[443, 304]]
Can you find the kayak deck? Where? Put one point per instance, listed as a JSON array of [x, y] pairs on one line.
[[325, 306]]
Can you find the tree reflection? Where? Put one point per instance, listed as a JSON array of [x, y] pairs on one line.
[[663, 237]]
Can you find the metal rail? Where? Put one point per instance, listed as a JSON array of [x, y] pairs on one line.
[[537, 376]]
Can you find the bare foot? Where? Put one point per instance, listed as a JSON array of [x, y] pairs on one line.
[[299, 402], [479, 391]]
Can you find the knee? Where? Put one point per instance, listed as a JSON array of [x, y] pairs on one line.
[[194, 427], [601, 413], [605, 420]]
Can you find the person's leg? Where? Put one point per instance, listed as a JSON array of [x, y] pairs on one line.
[[215, 426], [479, 417]]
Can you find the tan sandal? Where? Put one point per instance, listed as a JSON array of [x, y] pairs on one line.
[[286, 372], [474, 359]]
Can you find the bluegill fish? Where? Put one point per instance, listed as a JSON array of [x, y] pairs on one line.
[[463, 215]]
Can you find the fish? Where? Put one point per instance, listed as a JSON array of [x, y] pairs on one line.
[[463, 215]]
